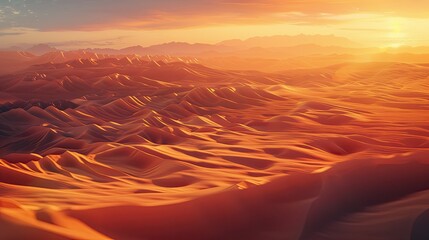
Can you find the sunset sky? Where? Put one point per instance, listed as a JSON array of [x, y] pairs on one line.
[[112, 23]]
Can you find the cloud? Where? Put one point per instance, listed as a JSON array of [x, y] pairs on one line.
[[10, 33], [85, 43], [14, 31], [62, 15]]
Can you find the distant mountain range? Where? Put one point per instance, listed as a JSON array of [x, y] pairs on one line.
[[266, 53], [289, 41], [41, 49], [183, 48], [281, 46]]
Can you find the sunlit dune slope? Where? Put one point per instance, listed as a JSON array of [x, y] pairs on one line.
[[127, 148]]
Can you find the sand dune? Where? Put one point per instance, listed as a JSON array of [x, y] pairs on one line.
[[141, 148]]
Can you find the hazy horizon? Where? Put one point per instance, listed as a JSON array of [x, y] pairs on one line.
[[83, 24], [63, 46]]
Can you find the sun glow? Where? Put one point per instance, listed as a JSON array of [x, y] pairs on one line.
[[396, 34]]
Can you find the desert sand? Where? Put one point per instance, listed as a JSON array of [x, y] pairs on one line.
[[103, 147]]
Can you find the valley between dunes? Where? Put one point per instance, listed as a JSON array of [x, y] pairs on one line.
[[129, 148]]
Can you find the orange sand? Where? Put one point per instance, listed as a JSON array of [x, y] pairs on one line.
[[134, 149]]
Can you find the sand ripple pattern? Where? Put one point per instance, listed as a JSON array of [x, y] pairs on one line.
[[121, 148]]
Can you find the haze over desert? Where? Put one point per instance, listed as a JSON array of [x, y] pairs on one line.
[[253, 120]]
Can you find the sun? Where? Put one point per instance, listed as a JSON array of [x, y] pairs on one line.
[[396, 35]]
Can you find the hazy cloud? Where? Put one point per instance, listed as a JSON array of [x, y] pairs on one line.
[[10, 33], [52, 15]]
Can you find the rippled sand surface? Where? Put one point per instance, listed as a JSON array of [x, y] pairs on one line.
[[132, 149]]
